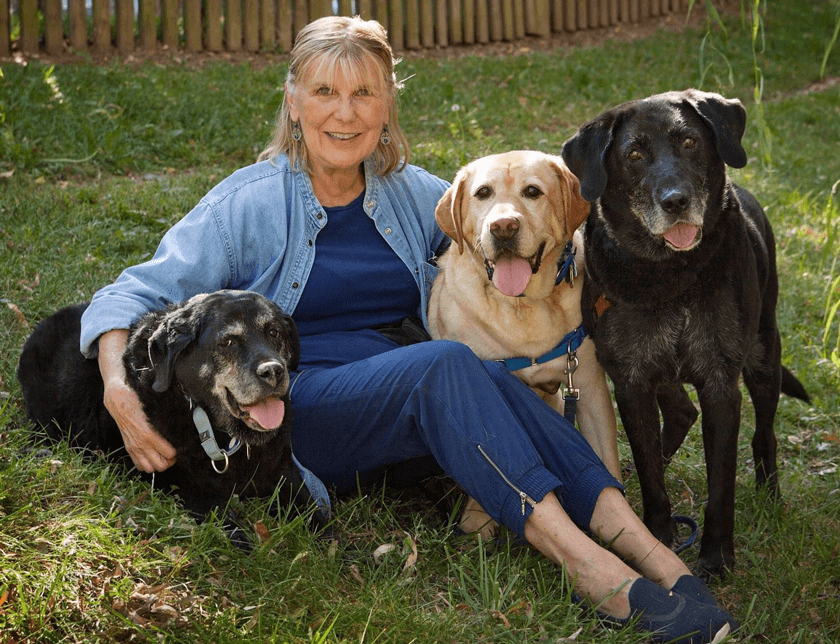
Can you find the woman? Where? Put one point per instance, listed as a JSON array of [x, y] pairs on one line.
[[336, 178]]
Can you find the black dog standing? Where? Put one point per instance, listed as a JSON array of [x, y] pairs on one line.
[[212, 374], [681, 287]]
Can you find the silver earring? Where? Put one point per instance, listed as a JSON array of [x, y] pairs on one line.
[[385, 137], [296, 133]]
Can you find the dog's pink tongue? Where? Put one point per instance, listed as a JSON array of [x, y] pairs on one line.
[[269, 413], [511, 275], [681, 235]]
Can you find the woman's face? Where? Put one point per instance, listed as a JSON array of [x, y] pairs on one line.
[[341, 119]]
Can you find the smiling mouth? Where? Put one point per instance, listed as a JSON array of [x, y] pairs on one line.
[[264, 416], [511, 273], [534, 261], [339, 136]]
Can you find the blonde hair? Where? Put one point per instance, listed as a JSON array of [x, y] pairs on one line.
[[353, 46]]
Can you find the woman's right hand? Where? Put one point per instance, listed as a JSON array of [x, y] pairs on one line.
[[146, 447]]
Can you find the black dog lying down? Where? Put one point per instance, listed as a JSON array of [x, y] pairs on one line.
[[681, 287], [211, 374]]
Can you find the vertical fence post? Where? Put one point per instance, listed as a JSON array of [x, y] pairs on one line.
[[396, 20], [482, 25], [125, 25], [169, 23], [284, 25], [192, 25], [319, 9], [5, 29], [148, 24], [509, 20], [441, 24], [28, 26], [214, 25], [251, 25], [456, 22], [233, 25], [53, 27], [427, 23], [267, 34], [556, 15], [301, 16], [497, 20], [380, 14], [365, 9], [519, 19], [101, 26], [469, 22], [411, 20]]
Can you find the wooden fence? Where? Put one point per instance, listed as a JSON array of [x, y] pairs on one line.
[[101, 27]]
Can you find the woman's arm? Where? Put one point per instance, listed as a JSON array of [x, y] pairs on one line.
[[148, 449]]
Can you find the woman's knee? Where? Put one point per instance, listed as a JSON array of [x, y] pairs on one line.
[[449, 356]]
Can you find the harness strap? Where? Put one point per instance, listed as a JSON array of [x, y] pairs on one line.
[[566, 267], [568, 344]]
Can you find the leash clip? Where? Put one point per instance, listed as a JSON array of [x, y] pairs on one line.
[[571, 366]]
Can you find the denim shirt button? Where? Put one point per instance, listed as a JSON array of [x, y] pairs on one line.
[[387, 231], [295, 285]]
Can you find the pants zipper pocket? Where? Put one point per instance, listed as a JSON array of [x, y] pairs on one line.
[[523, 497]]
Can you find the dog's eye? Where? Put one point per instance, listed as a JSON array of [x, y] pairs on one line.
[[689, 143], [483, 192], [532, 192], [274, 333], [226, 342], [634, 155]]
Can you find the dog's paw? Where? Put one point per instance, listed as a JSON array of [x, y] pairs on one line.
[[236, 533]]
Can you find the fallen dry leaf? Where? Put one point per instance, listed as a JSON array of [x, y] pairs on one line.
[[262, 532], [381, 551], [571, 638], [411, 561], [354, 570], [501, 616], [19, 316], [723, 632]]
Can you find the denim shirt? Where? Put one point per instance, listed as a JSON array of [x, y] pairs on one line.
[[256, 231]]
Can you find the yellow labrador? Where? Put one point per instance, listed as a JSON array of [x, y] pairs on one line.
[[507, 287]]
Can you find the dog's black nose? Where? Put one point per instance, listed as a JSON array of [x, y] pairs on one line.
[[271, 371], [504, 228], [674, 200]]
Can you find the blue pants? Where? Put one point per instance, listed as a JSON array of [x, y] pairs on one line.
[[488, 431]]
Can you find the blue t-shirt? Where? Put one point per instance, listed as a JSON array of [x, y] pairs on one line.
[[357, 282]]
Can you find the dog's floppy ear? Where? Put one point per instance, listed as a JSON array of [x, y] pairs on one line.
[[294, 342], [448, 212], [575, 206], [586, 155], [727, 119], [175, 332]]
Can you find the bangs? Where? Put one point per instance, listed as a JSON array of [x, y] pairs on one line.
[[359, 69]]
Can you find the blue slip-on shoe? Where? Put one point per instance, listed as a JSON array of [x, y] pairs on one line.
[[670, 616], [696, 589]]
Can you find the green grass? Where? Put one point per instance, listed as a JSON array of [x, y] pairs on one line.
[[98, 161]]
